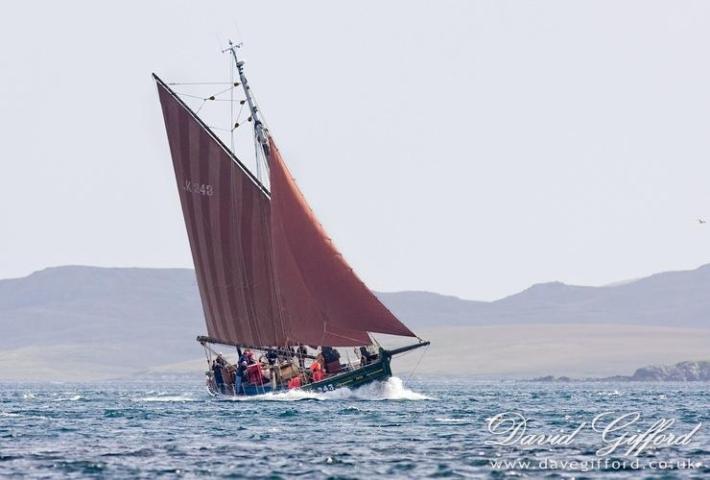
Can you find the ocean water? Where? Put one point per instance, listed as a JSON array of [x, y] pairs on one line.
[[414, 429]]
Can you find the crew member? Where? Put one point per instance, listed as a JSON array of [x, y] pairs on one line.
[[295, 382], [217, 372], [241, 376], [301, 352], [366, 357], [331, 359], [317, 371]]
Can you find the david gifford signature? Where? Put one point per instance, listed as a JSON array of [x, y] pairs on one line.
[[619, 433]]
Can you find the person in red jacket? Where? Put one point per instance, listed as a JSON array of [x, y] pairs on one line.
[[295, 382], [317, 371]]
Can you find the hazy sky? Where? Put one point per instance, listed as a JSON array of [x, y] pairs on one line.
[[465, 147]]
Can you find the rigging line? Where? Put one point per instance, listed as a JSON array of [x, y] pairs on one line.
[[210, 98], [198, 83], [262, 159], [219, 128], [200, 107], [258, 109], [207, 357], [424, 352], [231, 87], [191, 96], [256, 158], [231, 103], [325, 330], [219, 99], [235, 121]]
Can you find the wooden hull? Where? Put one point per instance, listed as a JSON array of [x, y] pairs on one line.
[[378, 370]]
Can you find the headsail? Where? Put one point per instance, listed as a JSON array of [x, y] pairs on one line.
[[267, 272], [318, 290]]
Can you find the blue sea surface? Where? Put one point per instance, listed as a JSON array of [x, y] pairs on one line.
[[419, 428]]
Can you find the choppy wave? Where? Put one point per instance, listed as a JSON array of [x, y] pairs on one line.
[[450, 420], [166, 398], [72, 398], [614, 393]]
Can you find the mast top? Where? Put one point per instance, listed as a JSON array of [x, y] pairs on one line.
[[260, 130]]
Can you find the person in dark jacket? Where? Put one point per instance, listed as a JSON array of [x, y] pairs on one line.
[[217, 372], [240, 377], [271, 356], [330, 354], [366, 357], [301, 352], [331, 358]]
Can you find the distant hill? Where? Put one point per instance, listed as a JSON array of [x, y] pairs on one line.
[[680, 299], [681, 372], [687, 371], [81, 321]]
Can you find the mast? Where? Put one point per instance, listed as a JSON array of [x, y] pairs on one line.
[[260, 130]]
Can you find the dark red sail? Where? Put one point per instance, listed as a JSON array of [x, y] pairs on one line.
[[227, 215], [318, 291]]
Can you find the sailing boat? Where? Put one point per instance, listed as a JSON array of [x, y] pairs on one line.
[[269, 277]]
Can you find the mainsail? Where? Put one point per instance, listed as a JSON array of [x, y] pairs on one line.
[[227, 215], [267, 272]]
